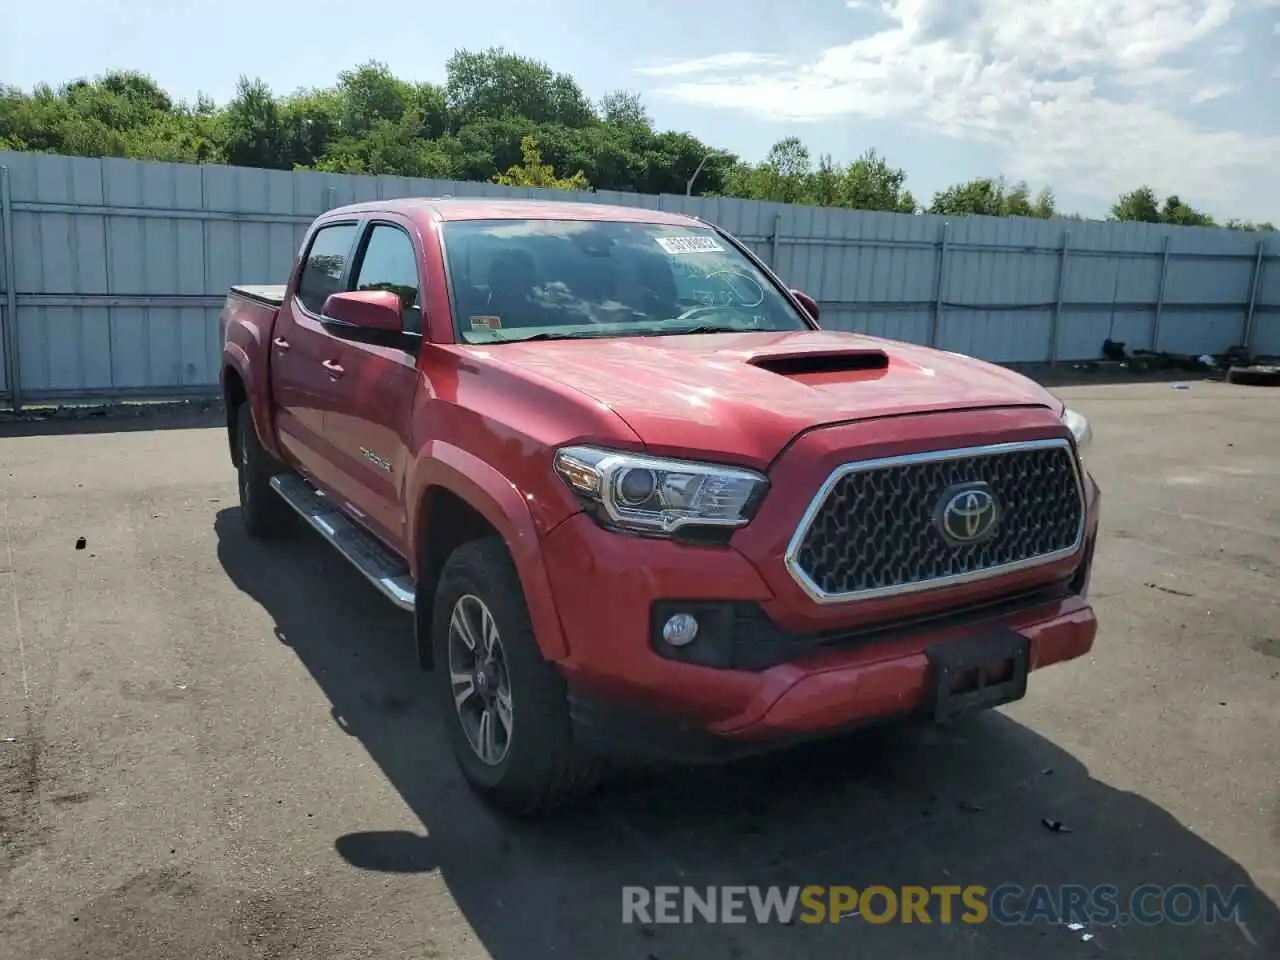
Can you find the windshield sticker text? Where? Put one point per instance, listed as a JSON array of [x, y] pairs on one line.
[[486, 323], [678, 245]]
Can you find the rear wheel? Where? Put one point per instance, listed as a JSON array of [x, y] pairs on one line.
[[504, 705], [261, 508]]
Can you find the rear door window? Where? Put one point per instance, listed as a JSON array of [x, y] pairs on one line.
[[326, 262]]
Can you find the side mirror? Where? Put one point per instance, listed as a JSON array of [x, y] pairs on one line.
[[371, 309], [810, 305]]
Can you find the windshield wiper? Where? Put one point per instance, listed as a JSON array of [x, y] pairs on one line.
[[579, 335], [701, 328], [589, 335]]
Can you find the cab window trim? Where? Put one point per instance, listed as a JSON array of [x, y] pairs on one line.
[[357, 264]]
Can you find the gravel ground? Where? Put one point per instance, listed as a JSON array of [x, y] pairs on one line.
[[211, 748]]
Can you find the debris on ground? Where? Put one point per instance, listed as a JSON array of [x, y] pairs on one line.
[[81, 543], [1236, 361], [1255, 375], [1057, 826], [40, 413], [1176, 593], [1239, 356]]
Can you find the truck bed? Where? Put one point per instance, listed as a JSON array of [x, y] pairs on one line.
[[272, 294]]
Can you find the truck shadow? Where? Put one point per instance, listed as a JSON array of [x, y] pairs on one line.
[[906, 805]]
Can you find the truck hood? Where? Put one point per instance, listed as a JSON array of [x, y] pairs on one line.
[[741, 397]]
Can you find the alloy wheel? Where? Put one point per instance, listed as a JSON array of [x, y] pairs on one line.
[[479, 680]]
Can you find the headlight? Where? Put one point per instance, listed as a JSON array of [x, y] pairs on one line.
[[1080, 429], [656, 495]]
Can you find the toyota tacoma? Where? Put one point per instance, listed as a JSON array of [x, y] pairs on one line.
[[638, 502]]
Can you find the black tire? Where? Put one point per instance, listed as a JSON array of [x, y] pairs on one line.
[[263, 512], [542, 767], [1255, 376]]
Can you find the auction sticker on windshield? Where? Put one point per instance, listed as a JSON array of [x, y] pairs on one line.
[[675, 245], [486, 323]]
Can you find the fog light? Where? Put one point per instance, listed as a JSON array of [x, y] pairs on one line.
[[680, 630]]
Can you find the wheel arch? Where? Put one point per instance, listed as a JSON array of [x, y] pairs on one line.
[[457, 498], [234, 395]]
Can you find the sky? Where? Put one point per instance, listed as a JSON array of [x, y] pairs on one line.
[[1089, 97]]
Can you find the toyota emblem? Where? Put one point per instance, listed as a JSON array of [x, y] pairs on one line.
[[967, 514]]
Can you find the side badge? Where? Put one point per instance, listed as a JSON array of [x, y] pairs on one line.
[[377, 461]]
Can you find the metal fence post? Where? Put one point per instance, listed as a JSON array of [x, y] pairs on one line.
[[1164, 278], [9, 329], [939, 282], [1055, 320], [773, 242], [1247, 338]]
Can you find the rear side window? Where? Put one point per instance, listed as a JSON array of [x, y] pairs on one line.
[[390, 263], [322, 273]]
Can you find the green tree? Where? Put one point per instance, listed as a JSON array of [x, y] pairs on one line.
[[476, 126], [783, 177], [1140, 204], [534, 173], [1263, 227], [369, 94], [869, 183], [1175, 211], [253, 128], [626, 111], [311, 120], [1143, 205], [993, 198], [788, 175], [498, 85]]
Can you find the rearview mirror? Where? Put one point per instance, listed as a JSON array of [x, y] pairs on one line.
[[371, 309], [810, 305]]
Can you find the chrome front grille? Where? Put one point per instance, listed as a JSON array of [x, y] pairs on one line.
[[874, 529]]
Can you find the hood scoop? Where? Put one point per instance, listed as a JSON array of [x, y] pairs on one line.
[[811, 362]]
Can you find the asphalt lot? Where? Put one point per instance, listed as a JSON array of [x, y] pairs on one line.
[[212, 748]]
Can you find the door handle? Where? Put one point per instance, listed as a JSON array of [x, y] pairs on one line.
[[281, 343], [334, 368]]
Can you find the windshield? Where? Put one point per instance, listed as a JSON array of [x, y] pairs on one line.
[[517, 279]]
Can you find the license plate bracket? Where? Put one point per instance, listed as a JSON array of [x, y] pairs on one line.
[[992, 652]]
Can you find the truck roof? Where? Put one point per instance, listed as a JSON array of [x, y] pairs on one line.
[[503, 208]]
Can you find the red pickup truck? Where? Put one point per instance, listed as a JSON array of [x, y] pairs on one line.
[[637, 500]]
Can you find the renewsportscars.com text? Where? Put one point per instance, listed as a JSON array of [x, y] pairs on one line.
[[1006, 904]]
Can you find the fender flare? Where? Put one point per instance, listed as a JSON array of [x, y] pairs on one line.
[[236, 358], [500, 502]]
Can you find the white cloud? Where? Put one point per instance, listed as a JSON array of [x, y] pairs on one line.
[[719, 61], [1085, 94], [1211, 92]]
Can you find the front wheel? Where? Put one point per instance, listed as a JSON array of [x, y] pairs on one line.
[[503, 704]]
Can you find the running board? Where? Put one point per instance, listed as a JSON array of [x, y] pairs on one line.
[[384, 569]]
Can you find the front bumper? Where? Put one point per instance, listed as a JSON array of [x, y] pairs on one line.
[[770, 666], [626, 687], [872, 686]]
